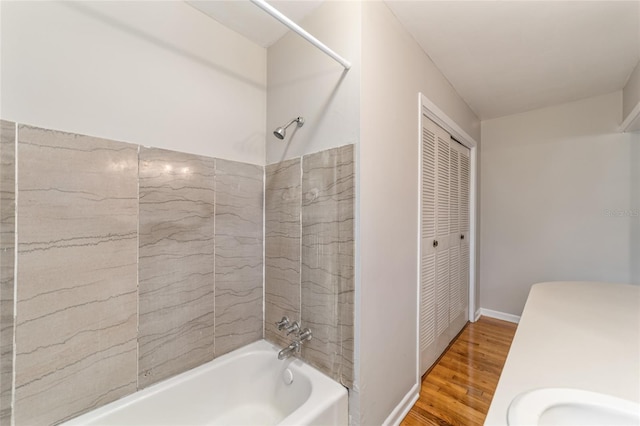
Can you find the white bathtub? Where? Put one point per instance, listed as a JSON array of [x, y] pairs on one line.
[[245, 387]]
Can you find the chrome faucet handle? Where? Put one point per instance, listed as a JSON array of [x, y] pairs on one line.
[[305, 335], [284, 322], [293, 328]]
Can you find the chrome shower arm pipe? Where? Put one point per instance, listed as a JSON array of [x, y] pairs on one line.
[[262, 4], [297, 119]]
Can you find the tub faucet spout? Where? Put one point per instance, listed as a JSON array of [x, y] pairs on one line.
[[289, 350]]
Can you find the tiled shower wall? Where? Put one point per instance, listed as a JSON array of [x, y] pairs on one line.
[[309, 255], [134, 264], [76, 307]]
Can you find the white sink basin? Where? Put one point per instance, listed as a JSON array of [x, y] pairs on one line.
[[571, 407]]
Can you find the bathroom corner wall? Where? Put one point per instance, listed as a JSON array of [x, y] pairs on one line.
[[309, 274], [7, 258], [594, 174], [134, 264]]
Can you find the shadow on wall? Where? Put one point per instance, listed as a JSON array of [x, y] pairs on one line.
[[107, 20], [318, 119]]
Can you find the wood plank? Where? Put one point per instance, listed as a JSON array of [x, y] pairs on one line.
[[458, 389]]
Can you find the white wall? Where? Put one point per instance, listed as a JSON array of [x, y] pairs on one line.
[[394, 71], [631, 92], [303, 81], [559, 200], [156, 73]]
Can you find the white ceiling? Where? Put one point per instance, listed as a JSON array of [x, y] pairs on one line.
[[251, 21], [503, 57], [509, 57]]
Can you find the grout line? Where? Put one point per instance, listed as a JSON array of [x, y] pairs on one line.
[[300, 244], [138, 278], [215, 205], [264, 252], [15, 277]]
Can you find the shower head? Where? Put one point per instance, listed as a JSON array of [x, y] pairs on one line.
[[280, 132]]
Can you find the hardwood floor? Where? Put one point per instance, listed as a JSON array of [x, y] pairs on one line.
[[458, 389]]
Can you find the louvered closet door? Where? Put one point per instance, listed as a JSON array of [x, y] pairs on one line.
[[465, 220], [428, 353], [458, 237], [434, 262], [444, 255], [443, 240], [455, 304]]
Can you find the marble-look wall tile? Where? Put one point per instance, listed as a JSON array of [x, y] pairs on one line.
[[77, 267], [239, 251], [282, 246], [327, 260], [346, 320], [7, 257], [176, 263]]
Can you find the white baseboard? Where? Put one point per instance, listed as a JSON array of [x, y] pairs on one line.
[[499, 315], [402, 409], [477, 315]]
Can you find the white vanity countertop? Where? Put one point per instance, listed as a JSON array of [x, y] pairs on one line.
[[581, 335]]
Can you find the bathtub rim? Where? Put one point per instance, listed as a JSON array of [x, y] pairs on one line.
[[325, 392]]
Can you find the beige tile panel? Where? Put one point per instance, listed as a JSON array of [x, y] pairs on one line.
[[238, 259], [76, 299], [282, 246], [346, 324], [7, 245], [327, 260], [176, 263]]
